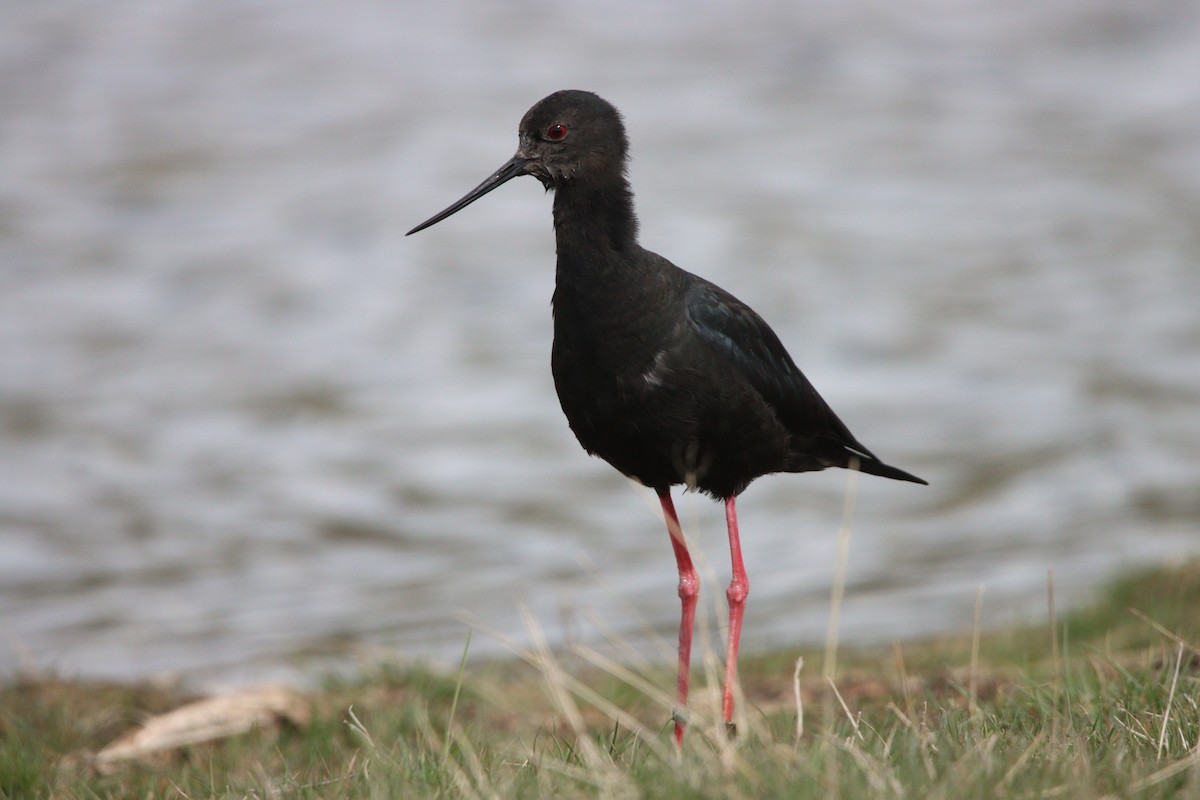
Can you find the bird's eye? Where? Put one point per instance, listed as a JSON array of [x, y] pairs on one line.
[[556, 133]]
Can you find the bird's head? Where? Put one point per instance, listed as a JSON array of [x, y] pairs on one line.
[[572, 135], [569, 136]]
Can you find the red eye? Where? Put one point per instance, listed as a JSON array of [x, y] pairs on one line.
[[556, 133]]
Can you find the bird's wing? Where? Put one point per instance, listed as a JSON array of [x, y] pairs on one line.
[[741, 338]]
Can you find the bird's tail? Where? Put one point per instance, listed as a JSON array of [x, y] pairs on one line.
[[842, 450], [873, 466]]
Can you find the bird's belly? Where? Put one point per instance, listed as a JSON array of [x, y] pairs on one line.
[[666, 435], [624, 434]]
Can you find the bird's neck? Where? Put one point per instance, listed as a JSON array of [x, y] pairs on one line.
[[595, 215], [604, 302]]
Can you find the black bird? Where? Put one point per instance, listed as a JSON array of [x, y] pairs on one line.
[[667, 377]]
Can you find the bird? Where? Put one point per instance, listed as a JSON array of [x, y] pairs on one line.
[[664, 375]]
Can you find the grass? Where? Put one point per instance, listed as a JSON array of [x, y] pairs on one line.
[[1105, 702]]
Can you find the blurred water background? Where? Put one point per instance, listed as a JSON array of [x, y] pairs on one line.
[[247, 428]]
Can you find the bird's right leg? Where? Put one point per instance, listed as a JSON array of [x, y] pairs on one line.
[[689, 589]]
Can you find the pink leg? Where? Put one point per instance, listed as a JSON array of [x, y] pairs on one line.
[[689, 589], [739, 588]]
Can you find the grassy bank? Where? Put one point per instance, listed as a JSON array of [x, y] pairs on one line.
[[1108, 705]]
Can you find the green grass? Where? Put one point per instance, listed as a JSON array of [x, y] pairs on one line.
[[1109, 706]]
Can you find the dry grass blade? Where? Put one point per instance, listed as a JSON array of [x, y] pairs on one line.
[[973, 681], [1174, 637], [846, 708], [829, 670], [1189, 761], [1162, 736], [616, 714], [561, 685], [799, 699], [624, 674], [1054, 658], [207, 720], [600, 769], [462, 670], [555, 681], [879, 779], [1019, 764], [457, 775], [902, 671]]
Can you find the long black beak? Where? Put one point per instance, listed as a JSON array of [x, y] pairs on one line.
[[512, 169]]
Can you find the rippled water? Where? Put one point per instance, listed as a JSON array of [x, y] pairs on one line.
[[246, 425]]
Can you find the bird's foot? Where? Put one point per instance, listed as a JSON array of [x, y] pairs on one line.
[[679, 716]]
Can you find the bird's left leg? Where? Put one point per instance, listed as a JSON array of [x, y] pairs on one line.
[[689, 588], [739, 588]]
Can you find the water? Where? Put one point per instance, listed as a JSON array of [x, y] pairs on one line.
[[247, 427]]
